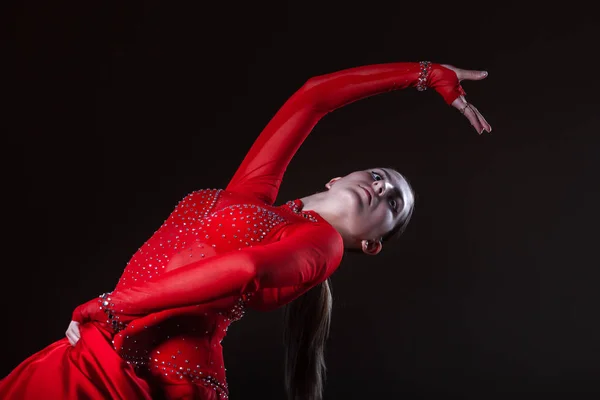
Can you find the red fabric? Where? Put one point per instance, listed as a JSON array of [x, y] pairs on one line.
[[217, 252], [90, 370]]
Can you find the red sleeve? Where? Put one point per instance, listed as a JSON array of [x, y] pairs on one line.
[[263, 167], [307, 255], [270, 299]]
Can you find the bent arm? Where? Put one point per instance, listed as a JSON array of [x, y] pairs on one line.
[[306, 256]]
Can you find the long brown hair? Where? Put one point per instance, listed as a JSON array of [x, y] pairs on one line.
[[307, 322]]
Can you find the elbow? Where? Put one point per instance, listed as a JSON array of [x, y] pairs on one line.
[[245, 267], [311, 93], [244, 272], [312, 82]]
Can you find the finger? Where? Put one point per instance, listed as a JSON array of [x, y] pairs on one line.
[[486, 126], [459, 103], [71, 339], [471, 75], [471, 115], [469, 112], [75, 331], [75, 337], [450, 67]]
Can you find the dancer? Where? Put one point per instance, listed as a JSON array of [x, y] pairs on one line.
[[158, 333]]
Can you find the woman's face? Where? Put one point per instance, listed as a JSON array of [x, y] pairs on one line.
[[372, 202]]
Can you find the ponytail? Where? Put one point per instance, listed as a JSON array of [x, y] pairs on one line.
[[307, 321]]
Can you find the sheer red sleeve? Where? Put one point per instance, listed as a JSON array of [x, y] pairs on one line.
[[306, 256], [261, 171]]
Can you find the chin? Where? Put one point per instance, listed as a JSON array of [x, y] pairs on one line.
[[354, 195]]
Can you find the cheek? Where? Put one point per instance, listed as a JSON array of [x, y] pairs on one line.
[[349, 199], [381, 221], [374, 223]]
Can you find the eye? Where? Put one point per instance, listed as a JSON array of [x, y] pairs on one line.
[[394, 204], [376, 176]]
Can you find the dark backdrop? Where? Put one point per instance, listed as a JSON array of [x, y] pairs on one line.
[[122, 109]]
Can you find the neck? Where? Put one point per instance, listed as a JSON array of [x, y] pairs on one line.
[[319, 203]]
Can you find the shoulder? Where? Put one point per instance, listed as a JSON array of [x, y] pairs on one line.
[[318, 239]]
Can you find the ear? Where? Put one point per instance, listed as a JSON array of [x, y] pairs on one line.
[[331, 182], [371, 247]]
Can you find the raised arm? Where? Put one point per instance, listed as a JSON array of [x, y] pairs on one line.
[[263, 167], [307, 255]]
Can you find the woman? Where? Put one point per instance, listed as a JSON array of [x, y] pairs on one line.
[[158, 333]]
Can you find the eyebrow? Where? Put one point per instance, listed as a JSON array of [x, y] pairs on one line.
[[397, 191]]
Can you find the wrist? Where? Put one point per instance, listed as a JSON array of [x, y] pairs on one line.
[[109, 314], [100, 309], [83, 312], [444, 81], [423, 81]]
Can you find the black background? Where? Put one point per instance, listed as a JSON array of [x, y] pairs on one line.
[[122, 109]]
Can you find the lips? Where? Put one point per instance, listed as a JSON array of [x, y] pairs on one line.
[[369, 196]]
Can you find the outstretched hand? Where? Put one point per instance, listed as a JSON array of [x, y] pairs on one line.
[[467, 109]]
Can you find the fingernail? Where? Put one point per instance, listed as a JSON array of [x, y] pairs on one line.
[[484, 73]]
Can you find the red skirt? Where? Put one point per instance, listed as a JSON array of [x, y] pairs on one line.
[[89, 370]]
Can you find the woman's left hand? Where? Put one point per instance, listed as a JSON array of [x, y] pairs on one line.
[[72, 333], [467, 109]]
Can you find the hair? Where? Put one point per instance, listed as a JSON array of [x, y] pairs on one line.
[[307, 322], [408, 198]]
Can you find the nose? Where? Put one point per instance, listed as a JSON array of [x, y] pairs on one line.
[[381, 187]]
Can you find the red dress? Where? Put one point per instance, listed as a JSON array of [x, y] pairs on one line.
[[218, 252]]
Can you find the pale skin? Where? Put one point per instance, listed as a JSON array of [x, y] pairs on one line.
[[363, 205], [363, 219]]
